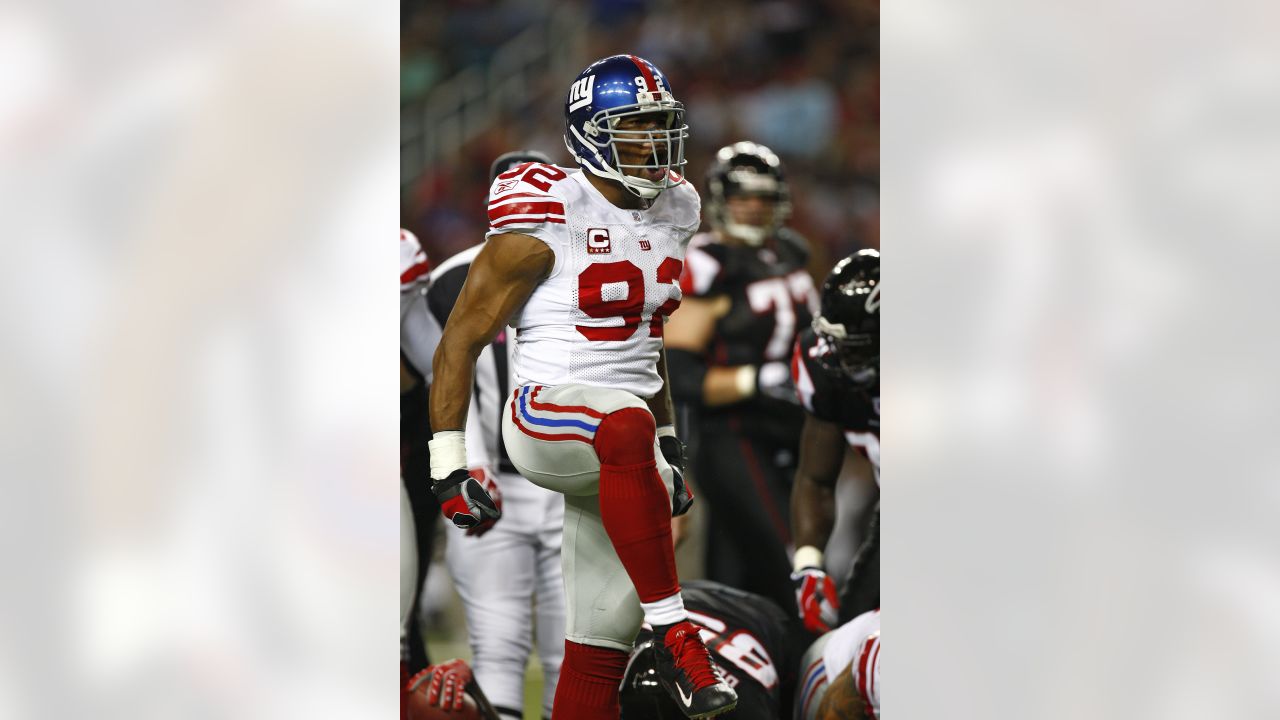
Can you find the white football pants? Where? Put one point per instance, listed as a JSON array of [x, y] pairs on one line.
[[549, 434], [512, 590]]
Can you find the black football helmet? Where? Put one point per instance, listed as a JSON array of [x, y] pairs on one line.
[[849, 320], [506, 161], [747, 168], [641, 696]]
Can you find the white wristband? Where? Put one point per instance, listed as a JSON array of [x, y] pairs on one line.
[[746, 380], [448, 453], [666, 431], [807, 556]]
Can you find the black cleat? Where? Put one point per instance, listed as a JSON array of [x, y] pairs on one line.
[[686, 672]]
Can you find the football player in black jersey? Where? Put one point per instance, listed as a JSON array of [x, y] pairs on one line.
[[746, 294], [754, 645], [836, 369]]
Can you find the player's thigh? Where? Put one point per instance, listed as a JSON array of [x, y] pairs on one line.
[[601, 605], [549, 433], [812, 686]]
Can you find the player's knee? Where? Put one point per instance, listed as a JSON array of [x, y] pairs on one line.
[[625, 437]]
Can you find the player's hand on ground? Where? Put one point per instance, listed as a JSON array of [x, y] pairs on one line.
[[773, 380], [673, 452], [448, 684], [489, 483], [464, 501], [816, 598]]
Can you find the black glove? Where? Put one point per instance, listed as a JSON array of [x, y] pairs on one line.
[[673, 452], [463, 500]]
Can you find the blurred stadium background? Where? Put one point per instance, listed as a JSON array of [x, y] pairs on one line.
[[481, 77]]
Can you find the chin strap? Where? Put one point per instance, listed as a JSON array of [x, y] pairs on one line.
[[610, 172]]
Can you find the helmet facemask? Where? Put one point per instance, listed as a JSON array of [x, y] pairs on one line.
[[753, 234], [854, 356], [602, 136]]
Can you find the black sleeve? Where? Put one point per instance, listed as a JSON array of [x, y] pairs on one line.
[[444, 292], [685, 373], [796, 247]]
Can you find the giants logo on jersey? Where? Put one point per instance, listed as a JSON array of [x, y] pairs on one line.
[[598, 241]]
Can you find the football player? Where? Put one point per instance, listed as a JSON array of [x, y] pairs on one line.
[[755, 646], [837, 375], [840, 679], [747, 294], [585, 265], [507, 574], [419, 334]]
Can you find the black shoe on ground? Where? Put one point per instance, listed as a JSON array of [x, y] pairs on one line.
[[687, 673]]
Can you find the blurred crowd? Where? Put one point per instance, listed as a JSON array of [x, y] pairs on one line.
[[801, 76]]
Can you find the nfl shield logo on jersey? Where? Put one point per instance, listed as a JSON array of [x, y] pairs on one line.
[[597, 241]]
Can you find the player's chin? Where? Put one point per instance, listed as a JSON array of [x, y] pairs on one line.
[[650, 174]]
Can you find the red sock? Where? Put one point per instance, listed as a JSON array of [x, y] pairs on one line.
[[588, 685], [634, 505]]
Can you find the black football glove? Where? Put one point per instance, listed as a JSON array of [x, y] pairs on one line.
[[673, 452], [463, 500]]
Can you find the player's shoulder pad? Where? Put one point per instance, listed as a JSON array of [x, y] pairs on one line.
[[704, 267], [414, 264], [528, 195], [682, 205], [793, 246], [846, 640]]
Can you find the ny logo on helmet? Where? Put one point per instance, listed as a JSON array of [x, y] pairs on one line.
[[873, 300], [580, 93]]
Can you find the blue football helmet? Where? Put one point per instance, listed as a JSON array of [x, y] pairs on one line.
[[610, 90]]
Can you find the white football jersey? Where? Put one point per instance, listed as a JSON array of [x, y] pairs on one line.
[[419, 331], [413, 261], [857, 642], [597, 318]]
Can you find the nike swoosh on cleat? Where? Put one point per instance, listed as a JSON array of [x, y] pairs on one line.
[[686, 699]]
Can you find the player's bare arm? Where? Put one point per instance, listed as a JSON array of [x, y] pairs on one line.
[[691, 329], [501, 279], [672, 448], [842, 700], [822, 450], [813, 503], [660, 403]]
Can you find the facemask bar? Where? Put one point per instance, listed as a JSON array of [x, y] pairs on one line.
[[849, 354], [601, 134], [765, 186]]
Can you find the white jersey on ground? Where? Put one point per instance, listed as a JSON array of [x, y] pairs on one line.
[[597, 318], [857, 643]]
